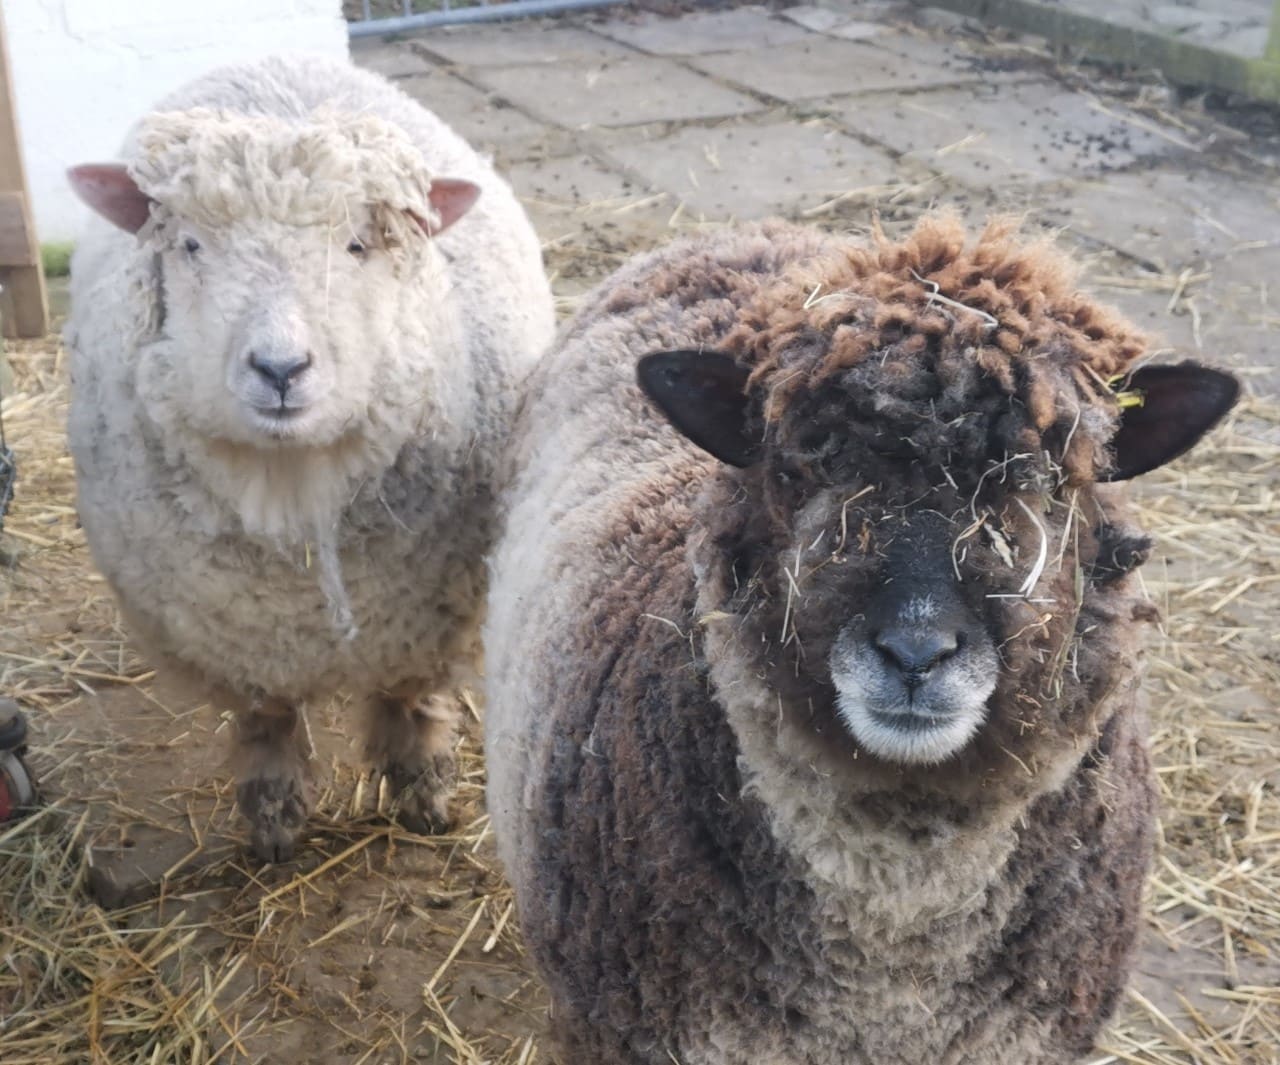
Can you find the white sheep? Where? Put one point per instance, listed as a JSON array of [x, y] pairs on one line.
[[296, 340], [827, 752]]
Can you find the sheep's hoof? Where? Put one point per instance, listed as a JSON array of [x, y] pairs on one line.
[[420, 794], [276, 812]]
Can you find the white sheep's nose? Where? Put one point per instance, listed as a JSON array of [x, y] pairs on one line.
[[280, 371], [915, 651]]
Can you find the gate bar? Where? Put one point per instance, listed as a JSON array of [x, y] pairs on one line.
[[460, 15]]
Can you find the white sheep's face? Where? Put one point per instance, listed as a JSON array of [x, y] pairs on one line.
[[275, 332]]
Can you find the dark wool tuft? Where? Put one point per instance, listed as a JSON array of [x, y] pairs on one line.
[[1019, 368]]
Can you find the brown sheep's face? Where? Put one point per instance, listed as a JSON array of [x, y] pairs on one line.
[[916, 584], [913, 667]]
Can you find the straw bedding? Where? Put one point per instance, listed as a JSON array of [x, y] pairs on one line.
[[378, 947]]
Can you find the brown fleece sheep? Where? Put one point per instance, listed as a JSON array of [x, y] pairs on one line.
[[829, 751]]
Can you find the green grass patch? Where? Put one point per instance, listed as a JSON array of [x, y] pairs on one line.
[[56, 257]]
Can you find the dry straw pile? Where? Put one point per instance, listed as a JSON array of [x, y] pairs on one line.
[[379, 947]]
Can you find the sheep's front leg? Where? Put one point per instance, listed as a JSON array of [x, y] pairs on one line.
[[270, 755], [410, 741]]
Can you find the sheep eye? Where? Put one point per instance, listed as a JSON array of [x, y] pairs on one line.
[[190, 245], [356, 248]]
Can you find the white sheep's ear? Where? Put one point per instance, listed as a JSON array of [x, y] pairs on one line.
[[1178, 405], [109, 190], [451, 198], [703, 395]]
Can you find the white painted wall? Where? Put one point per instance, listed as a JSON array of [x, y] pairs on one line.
[[85, 70]]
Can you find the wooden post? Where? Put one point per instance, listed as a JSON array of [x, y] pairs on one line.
[[24, 305]]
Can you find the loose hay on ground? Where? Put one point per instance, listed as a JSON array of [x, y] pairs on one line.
[[380, 947]]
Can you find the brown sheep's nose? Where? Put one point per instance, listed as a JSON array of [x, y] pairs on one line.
[[916, 651], [279, 371]]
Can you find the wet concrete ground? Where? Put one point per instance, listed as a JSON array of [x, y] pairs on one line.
[[630, 127]]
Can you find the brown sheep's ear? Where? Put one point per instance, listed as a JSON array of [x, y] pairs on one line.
[[703, 394], [451, 198], [1179, 404], [109, 190]]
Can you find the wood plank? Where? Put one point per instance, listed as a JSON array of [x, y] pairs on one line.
[[24, 302], [16, 246]]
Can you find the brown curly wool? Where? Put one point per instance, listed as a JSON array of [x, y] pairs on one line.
[[710, 868], [1014, 339]]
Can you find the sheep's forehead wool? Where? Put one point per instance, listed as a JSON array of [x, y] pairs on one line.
[[940, 352], [215, 167]]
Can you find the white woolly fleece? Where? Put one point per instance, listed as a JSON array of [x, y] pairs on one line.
[[211, 166], [248, 560]]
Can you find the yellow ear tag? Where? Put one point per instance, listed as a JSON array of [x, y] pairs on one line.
[[1133, 398]]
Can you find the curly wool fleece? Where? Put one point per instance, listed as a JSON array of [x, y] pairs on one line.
[[218, 167], [707, 867], [929, 340], [218, 549]]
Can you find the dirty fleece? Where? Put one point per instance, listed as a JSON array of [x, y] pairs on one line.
[[708, 867]]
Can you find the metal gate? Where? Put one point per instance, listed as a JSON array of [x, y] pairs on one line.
[[454, 12]]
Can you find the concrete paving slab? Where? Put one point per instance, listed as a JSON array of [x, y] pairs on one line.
[[487, 122], [824, 67], [1172, 218], [749, 171], [956, 62], [575, 200], [518, 44], [1240, 306], [833, 23], [939, 18], [1223, 312], [883, 10], [625, 92], [558, 187], [391, 59], [1016, 134], [704, 32]]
